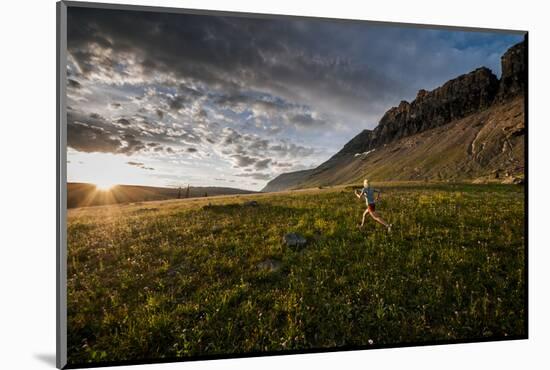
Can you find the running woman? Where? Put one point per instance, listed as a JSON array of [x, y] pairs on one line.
[[368, 192]]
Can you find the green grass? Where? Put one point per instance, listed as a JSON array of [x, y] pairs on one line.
[[171, 279]]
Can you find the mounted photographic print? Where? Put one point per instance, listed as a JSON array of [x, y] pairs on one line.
[[235, 185]]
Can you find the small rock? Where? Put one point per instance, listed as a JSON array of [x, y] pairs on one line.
[[270, 265], [294, 240], [317, 235], [175, 270], [518, 181], [251, 203], [513, 180]]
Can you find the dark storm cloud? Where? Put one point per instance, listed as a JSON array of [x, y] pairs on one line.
[[131, 144], [123, 121], [353, 71], [140, 165], [136, 164], [232, 137], [92, 133], [86, 138], [273, 109], [243, 160], [282, 164], [307, 120], [189, 138], [262, 164], [74, 84], [257, 144], [251, 152], [256, 175], [201, 114], [176, 103], [97, 116], [228, 54], [292, 150], [264, 103]]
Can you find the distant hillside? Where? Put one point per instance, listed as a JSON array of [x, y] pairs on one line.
[[83, 195], [470, 128]]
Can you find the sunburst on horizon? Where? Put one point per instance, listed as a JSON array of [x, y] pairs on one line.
[[104, 185]]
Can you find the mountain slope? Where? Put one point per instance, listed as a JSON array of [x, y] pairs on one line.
[[472, 127]]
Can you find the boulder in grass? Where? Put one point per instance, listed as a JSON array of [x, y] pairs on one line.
[[518, 181], [294, 240], [270, 265], [251, 203], [513, 180]]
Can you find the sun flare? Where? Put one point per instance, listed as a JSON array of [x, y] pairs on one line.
[[104, 185]]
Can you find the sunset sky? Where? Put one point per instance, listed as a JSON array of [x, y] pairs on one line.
[[172, 99]]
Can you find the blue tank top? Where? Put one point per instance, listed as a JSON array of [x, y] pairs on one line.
[[368, 192]]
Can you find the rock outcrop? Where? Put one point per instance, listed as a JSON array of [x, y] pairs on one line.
[[456, 99], [514, 72]]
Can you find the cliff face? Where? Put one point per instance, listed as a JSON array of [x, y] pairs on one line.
[[454, 100], [514, 72], [461, 97], [457, 98]]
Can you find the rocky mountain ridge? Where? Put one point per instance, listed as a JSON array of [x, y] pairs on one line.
[[464, 96]]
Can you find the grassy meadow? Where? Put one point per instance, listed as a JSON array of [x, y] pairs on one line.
[[212, 276]]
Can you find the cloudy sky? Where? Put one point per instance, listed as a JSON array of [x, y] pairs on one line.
[[172, 99]]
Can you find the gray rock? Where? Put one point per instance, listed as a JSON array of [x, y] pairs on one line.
[[513, 180], [270, 265], [251, 203], [174, 270], [294, 240]]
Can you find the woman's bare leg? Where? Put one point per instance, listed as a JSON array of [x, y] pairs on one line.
[[364, 215], [378, 219]]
